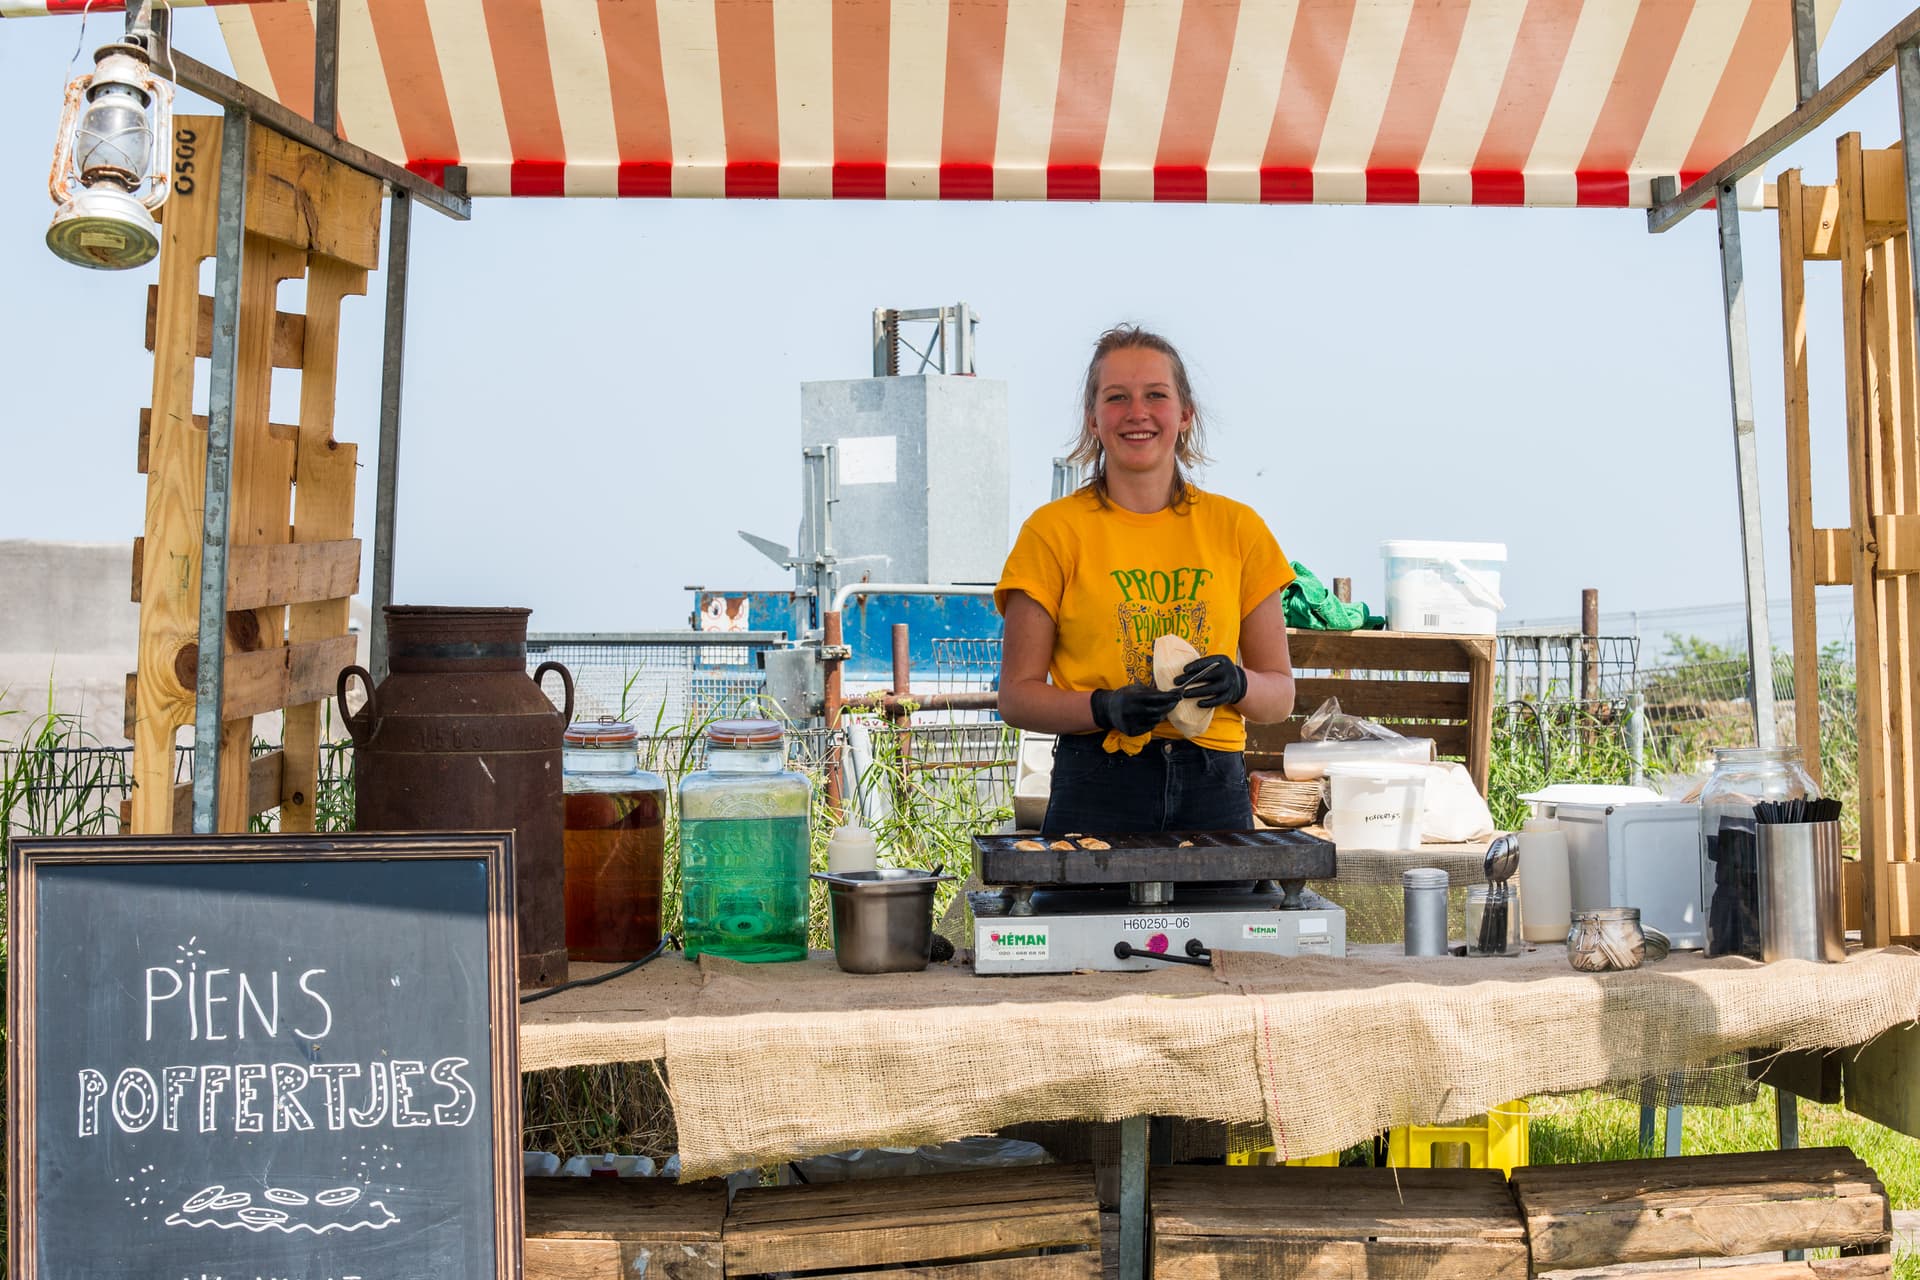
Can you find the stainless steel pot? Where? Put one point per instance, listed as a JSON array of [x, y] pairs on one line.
[[882, 920]]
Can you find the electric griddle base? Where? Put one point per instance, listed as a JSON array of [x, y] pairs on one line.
[[1076, 930]]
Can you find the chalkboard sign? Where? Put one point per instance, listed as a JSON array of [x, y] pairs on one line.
[[243, 1057]]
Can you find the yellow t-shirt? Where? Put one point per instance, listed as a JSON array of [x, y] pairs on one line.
[[1114, 581]]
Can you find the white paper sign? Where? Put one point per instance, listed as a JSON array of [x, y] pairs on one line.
[[868, 459]]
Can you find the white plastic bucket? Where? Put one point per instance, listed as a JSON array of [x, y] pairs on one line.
[[1376, 806], [1444, 586], [1373, 784], [1373, 829]]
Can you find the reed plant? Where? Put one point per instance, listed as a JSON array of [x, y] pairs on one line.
[[55, 779]]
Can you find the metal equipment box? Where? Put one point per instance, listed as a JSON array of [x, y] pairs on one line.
[[1639, 855], [922, 474]]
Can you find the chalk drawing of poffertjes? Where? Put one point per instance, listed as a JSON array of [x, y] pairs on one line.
[[339, 1208]]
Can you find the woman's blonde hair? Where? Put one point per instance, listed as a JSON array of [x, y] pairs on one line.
[[1188, 452]]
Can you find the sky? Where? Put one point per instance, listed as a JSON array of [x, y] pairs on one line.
[[599, 393]]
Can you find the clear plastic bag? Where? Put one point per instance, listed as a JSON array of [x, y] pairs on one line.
[[1330, 724]]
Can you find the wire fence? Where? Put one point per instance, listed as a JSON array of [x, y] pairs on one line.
[[958, 773], [1564, 666], [659, 678], [68, 786]]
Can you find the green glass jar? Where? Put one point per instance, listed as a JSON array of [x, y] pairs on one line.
[[744, 847]]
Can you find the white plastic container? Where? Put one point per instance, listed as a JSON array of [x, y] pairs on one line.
[[1444, 586], [1373, 829], [1376, 805], [852, 848], [1375, 784], [1032, 781], [1546, 875]]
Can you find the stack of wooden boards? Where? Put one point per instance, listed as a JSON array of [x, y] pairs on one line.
[[1234, 1223], [988, 1224], [1472, 1224]]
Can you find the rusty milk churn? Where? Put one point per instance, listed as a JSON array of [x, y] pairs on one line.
[[457, 738]]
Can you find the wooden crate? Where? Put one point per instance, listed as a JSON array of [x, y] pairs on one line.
[[968, 1224], [1380, 675], [1728, 1206], [1249, 1223], [619, 1228]]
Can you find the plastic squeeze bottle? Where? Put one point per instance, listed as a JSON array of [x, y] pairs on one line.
[[852, 848], [1545, 875]]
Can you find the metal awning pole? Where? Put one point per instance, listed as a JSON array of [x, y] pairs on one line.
[[392, 361], [1806, 52], [1134, 1157], [1908, 64], [326, 65], [209, 682], [1747, 468]]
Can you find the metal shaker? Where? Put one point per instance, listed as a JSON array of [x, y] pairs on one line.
[[1425, 891], [1800, 904]]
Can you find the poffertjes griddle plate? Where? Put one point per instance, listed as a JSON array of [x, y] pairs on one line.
[[1159, 855]]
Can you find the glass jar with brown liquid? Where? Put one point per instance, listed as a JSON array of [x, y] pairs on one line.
[[615, 841]]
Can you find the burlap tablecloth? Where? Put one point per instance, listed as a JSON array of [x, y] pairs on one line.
[[769, 1062]]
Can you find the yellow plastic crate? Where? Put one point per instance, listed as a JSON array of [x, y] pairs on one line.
[[1497, 1140], [1249, 1144]]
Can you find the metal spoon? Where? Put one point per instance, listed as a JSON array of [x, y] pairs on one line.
[[1503, 856]]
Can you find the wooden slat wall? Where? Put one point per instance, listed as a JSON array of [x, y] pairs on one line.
[[176, 463], [293, 560], [1860, 222], [1801, 540], [322, 517]]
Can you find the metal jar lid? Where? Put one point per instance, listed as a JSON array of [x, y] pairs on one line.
[[744, 733], [606, 732], [1423, 878]]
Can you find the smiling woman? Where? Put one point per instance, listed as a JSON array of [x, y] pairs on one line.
[[1097, 577]]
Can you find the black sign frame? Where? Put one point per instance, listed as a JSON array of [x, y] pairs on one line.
[[29, 856]]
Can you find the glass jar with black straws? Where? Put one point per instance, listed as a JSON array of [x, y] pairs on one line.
[[1743, 777]]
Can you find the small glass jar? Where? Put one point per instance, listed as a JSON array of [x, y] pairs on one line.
[[1606, 940], [1729, 849], [1482, 941], [744, 847], [615, 843]]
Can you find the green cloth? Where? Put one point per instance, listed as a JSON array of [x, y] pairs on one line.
[[1311, 605]]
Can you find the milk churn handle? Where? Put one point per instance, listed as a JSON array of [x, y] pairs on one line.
[[566, 678], [359, 725]]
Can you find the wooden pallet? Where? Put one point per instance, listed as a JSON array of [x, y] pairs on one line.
[[1727, 1206], [957, 1226], [293, 561], [1249, 1223], [619, 1228], [1860, 223]]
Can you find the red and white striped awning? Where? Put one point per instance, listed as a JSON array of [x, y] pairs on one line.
[[1536, 102]]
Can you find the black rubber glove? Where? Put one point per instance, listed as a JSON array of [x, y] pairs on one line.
[[1213, 681], [1133, 710]]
